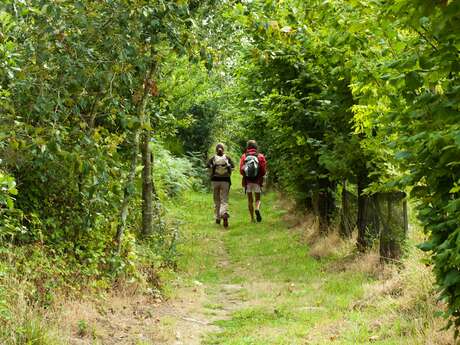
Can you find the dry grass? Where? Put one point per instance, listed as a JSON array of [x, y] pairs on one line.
[[91, 318], [330, 332], [22, 322], [408, 291], [113, 319], [403, 292], [331, 245], [306, 224], [368, 263]]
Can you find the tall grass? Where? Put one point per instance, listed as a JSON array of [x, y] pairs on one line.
[[405, 291], [21, 320]]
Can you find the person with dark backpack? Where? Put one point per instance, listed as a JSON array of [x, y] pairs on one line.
[[221, 166], [253, 167]]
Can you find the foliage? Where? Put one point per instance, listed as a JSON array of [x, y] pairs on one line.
[[173, 175], [296, 90], [77, 81], [358, 92], [412, 96], [429, 121], [362, 91]]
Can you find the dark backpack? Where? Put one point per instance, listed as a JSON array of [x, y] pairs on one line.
[[251, 167]]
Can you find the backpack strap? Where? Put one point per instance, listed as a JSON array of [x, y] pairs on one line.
[[214, 159], [214, 163]]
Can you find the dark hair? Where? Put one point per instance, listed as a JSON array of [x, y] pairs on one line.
[[220, 147], [252, 144]]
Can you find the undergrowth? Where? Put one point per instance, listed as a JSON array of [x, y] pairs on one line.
[[37, 273], [405, 292]]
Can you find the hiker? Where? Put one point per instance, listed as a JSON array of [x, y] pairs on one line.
[[253, 168], [221, 169]]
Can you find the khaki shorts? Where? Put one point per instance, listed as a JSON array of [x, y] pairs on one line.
[[253, 187]]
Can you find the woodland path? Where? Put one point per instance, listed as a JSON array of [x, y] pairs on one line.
[[253, 284]]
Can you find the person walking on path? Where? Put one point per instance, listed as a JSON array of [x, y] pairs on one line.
[[253, 167], [221, 167]]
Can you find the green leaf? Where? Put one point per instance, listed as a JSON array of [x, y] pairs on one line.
[[426, 246], [451, 278], [413, 80]]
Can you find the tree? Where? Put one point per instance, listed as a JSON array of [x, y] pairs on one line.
[[420, 78], [81, 106]]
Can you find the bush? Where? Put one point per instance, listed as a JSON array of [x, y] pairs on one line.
[[174, 175]]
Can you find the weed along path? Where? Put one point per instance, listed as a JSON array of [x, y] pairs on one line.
[[257, 284]]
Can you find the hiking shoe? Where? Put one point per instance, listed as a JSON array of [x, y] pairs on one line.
[[218, 221], [258, 216], [225, 218]]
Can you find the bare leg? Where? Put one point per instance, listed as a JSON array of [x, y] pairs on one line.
[[258, 216], [251, 205], [257, 201]]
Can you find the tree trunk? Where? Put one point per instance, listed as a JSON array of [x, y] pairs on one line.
[[129, 187], [393, 218], [128, 191], [308, 204], [323, 213], [367, 220], [346, 218], [147, 185], [147, 181], [326, 205], [361, 223]]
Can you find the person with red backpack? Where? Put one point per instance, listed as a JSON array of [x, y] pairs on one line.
[[221, 167], [253, 167]]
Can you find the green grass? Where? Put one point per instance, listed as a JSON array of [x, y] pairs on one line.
[[31, 331], [286, 296]]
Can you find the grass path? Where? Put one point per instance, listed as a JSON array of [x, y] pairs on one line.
[[255, 284]]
